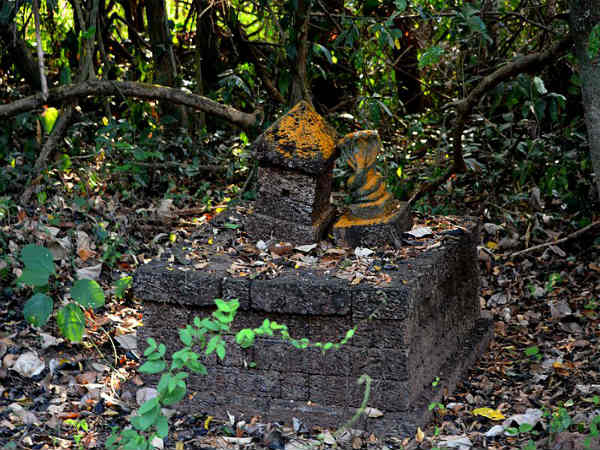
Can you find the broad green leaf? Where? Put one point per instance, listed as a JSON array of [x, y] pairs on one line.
[[245, 338], [149, 405], [531, 351], [162, 426], [48, 119], [87, 293], [71, 322], [185, 336], [33, 278], [153, 366], [39, 265], [221, 350], [144, 421], [37, 310]]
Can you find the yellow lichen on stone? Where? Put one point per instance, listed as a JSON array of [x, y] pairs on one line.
[[302, 133]]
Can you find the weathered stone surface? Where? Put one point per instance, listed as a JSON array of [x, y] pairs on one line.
[[258, 226], [301, 293], [300, 140], [292, 196], [379, 231], [370, 197], [422, 324]]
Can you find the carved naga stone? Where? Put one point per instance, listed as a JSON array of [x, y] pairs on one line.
[[375, 218], [370, 197]]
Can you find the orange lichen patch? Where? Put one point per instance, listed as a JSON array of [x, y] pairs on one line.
[[349, 220], [302, 133], [378, 194]]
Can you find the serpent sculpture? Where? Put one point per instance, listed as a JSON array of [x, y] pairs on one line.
[[368, 192]]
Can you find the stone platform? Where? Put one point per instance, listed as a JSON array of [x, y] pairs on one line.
[[419, 320]]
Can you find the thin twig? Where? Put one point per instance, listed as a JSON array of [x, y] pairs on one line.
[[560, 241]]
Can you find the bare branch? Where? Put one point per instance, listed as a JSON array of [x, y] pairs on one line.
[[68, 93], [560, 241], [522, 64]]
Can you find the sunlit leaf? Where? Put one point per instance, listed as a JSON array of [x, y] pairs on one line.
[[71, 322], [48, 118], [490, 413]]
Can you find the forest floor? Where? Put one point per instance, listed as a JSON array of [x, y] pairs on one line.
[[542, 368]]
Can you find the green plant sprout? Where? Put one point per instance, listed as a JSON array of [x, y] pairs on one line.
[[206, 335]]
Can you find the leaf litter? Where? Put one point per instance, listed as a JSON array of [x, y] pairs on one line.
[[545, 354]]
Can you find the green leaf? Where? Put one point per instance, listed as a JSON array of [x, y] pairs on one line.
[[531, 351], [212, 344], [71, 322], [37, 310], [153, 366], [122, 285], [87, 293], [175, 396], [430, 56], [221, 350], [149, 405], [48, 119], [151, 346], [245, 338], [162, 426], [525, 428], [39, 265], [185, 336], [145, 421]]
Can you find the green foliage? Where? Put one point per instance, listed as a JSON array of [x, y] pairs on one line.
[[71, 322], [39, 265], [87, 293], [48, 119], [37, 309], [122, 286], [430, 56], [205, 335]]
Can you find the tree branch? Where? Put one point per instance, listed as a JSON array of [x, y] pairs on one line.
[[560, 241], [64, 94], [522, 64]]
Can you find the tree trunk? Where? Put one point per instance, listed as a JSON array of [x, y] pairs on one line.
[[19, 54], [585, 14], [300, 84], [160, 39]]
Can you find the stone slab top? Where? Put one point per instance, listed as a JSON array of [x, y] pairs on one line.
[[220, 261], [300, 140]]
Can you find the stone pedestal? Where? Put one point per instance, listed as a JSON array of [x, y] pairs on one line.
[[295, 156], [422, 324], [387, 229]]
